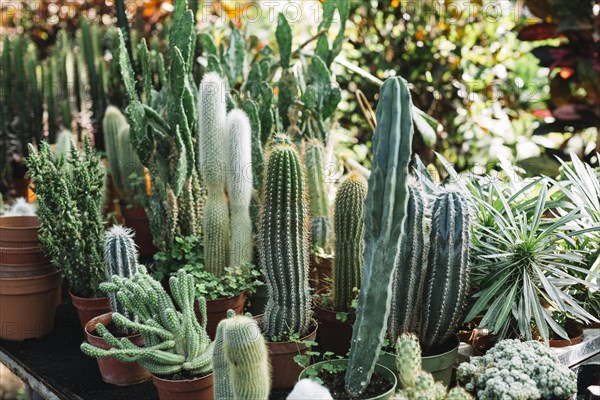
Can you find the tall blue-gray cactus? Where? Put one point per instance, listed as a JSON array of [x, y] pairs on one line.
[[284, 238], [386, 203], [121, 259]]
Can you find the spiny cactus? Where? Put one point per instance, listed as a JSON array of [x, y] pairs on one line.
[[319, 206], [386, 203], [447, 277], [239, 185], [212, 154], [458, 393], [349, 228], [410, 264], [121, 259], [128, 163], [408, 359], [246, 370], [112, 123], [174, 341], [21, 208], [64, 141], [284, 239]]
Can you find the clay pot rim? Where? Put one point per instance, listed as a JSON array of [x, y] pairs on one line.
[[243, 293], [22, 218], [79, 298], [578, 326], [47, 282], [312, 331], [320, 307], [199, 378], [89, 331]]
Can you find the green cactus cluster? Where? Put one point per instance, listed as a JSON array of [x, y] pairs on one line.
[[284, 237], [121, 259], [174, 341], [349, 223], [241, 361], [416, 383]]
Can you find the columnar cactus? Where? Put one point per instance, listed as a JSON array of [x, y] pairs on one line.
[[212, 114], [246, 369], [410, 264], [121, 259], [284, 237], [386, 203], [174, 340], [239, 185], [447, 277], [349, 228], [112, 123], [319, 206], [128, 163], [64, 142]]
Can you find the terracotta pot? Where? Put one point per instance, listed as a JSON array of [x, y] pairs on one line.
[[284, 370], [89, 308], [137, 219], [334, 335], [112, 370], [27, 306], [216, 311], [575, 331], [193, 389], [19, 232], [320, 271], [481, 344]]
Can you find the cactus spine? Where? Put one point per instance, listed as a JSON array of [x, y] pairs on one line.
[[120, 256], [386, 203], [212, 152], [239, 185], [284, 239], [319, 208], [349, 227], [446, 280], [246, 371], [410, 264]]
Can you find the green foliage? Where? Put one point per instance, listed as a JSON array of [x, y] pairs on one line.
[[518, 370], [70, 206], [386, 203], [174, 341]]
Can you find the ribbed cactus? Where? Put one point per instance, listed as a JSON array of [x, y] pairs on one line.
[[121, 259], [410, 264], [349, 228], [284, 238], [446, 280], [245, 373], [112, 123], [239, 185], [174, 340], [386, 203], [212, 152], [408, 359], [319, 207]]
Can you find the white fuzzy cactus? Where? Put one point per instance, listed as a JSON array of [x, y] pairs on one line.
[[306, 389], [21, 208], [239, 185]]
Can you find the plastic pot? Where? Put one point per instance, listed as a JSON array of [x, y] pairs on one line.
[[334, 335], [284, 370], [137, 219], [27, 306], [439, 365], [112, 370], [192, 389], [385, 373], [216, 311], [89, 308]]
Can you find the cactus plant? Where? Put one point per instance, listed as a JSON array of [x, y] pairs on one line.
[[174, 341], [319, 207], [112, 123], [239, 186], [121, 259], [245, 373], [386, 203], [349, 219], [128, 163], [21, 208], [408, 359], [212, 153], [284, 224]]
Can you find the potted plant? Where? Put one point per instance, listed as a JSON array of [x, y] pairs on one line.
[[70, 195], [333, 309], [283, 247], [121, 256], [241, 360], [177, 350]]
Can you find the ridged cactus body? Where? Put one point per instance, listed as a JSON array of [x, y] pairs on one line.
[[386, 203], [64, 142], [239, 185], [447, 277], [349, 226], [410, 265], [112, 123], [212, 115], [247, 369], [408, 359], [284, 237], [222, 382], [121, 259], [319, 207], [128, 162]]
